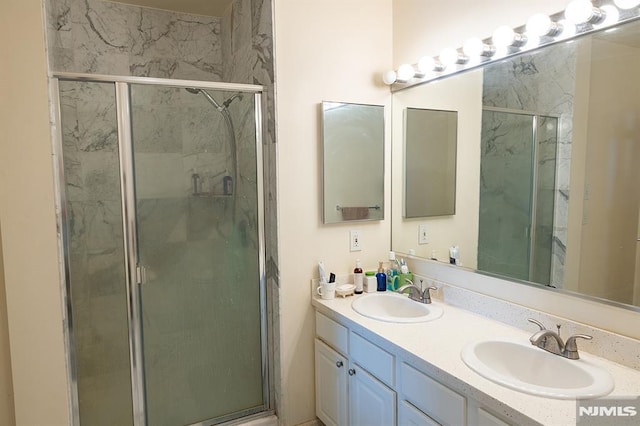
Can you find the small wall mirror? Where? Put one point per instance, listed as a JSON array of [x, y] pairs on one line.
[[353, 162], [430, 162]]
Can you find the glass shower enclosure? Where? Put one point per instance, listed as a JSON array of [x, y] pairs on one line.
[[161, 218], [517, 194]]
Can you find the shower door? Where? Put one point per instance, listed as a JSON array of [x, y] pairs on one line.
[[200, 302], [161, 211], [517, 194]]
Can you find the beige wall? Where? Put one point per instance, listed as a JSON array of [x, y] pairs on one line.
[[613, 146], [7, 415], [28, 220], [325, 50], [464, 95]]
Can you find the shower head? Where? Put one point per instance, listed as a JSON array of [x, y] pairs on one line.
[[206, 94], [228, 101]]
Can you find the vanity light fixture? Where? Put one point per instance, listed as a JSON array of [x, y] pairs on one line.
[[475, 47], [569, 29], [405, 73], [450, 56], [427, 65], [583, 11], [505, 36], [627, 4], [580, 17], [389, 77], [611, 16], [541, 25]]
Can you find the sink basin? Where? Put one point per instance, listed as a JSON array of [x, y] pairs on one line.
[[526, 368], [393, 307]]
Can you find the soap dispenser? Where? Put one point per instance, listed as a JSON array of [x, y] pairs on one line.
[[381, 278]]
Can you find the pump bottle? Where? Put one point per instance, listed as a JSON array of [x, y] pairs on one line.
[[381, 278], [358, 278]]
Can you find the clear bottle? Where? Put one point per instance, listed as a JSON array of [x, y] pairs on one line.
[[358, 277], [393, 270], [381, 278]]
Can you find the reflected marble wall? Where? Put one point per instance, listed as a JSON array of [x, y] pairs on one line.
[[545, 84]]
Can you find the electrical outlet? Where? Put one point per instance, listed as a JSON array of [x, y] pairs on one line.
[[422, 234], [355, 244]]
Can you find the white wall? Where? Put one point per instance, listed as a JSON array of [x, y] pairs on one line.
[[27, 215], [330, 50]]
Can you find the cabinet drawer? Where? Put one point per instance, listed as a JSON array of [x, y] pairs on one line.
[[485, 418], [408, 415], [372, 358], [331, 332], [436, 400]]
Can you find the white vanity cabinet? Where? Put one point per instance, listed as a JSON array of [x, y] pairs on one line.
[[348, 388], [437, 402], [362, 383], [331, 386]]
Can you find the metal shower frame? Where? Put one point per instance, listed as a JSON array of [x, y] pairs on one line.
[[133, 271]]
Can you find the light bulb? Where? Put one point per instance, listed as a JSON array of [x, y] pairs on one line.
[[541, 25], [448, 56], [426, 64], [581, 11], [611, 16], [504, 36], [405, 72], [389, 77], [627, 4], [473, 47], [568, 28]]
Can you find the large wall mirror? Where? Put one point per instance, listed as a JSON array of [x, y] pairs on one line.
[[548, 167], [353, 160]]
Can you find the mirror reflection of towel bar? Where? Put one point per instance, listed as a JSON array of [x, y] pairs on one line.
[[339, 207]]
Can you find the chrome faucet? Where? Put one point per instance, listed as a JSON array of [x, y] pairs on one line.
[[551, 341], [416, 293]]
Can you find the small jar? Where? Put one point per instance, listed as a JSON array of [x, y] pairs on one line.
[[370, 283]]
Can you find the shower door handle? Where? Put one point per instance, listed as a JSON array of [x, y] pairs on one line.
[[141, 274]]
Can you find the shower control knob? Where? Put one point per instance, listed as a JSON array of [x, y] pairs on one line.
[[339, 364], [352, 372]]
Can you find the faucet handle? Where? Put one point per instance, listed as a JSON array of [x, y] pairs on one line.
[[570, 346], [426, 296], [538, 323]]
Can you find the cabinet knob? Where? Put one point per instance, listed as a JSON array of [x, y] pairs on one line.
[[352, 372], [339, 364]]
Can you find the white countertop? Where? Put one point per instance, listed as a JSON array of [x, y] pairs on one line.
[[437, 346]]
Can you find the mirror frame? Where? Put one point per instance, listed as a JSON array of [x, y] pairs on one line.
[[359, 212], [626, 16]]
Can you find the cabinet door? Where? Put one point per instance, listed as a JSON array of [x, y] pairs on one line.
[[371, 403], [408, 415], [331, 386]]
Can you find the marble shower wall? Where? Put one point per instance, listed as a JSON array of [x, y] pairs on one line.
[[100, 37], [543, 83], [175, 135]]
